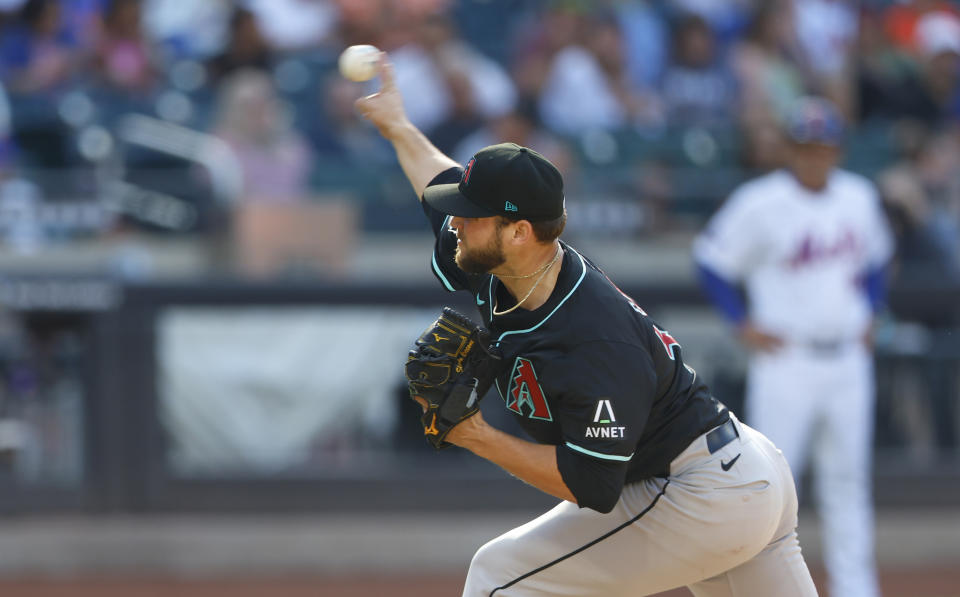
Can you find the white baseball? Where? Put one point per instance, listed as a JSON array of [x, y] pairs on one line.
[[359, 63]]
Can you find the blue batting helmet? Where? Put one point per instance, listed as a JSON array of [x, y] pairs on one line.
[[815, 120]]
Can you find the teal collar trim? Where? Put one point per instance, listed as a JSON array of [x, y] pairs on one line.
[[583, 274]]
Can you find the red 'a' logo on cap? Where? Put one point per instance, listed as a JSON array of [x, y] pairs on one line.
[[466, 174]]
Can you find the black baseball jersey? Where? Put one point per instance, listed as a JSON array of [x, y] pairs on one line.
[[588, 371]]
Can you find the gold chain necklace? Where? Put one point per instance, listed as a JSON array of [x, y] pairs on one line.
[[543, 272]]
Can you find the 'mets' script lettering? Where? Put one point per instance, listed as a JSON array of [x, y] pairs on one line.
[[606, 432]]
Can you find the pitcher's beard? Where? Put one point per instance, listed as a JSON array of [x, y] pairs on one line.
[[481, 261]]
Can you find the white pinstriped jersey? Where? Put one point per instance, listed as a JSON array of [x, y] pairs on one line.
[[801, 254]]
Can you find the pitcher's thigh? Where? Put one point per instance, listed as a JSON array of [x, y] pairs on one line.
[[577, 551], [778, 570]]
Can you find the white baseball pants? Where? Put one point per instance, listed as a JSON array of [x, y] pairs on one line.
[[722, 533], [820, 403]]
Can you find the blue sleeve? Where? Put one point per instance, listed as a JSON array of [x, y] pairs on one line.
[[725, 296], [875, 285]]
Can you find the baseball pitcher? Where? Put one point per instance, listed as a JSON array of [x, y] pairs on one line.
[[659, 485]]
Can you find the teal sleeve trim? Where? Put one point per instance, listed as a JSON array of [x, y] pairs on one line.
[[598, 454]]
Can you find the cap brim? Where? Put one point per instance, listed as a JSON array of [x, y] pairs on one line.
[[447, 199]]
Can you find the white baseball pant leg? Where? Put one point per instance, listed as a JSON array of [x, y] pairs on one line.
[[722, 533], [822, 405]]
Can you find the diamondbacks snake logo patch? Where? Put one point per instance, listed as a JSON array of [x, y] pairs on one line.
[[525, 396]]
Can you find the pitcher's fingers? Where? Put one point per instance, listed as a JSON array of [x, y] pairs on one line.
[[360, 105], [385, 69]]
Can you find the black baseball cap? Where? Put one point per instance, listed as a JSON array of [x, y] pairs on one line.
[[502, 180]]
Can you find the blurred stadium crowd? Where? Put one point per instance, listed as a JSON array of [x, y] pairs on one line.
[[165, 116], [154, 153]]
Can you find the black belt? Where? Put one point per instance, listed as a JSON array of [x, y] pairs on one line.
[[721, 436]]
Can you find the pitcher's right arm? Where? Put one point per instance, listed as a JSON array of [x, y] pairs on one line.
[[420, 159]]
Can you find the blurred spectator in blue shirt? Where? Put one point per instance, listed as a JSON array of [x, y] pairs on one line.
[[588, 87], [727, 18], [290, 25], [187, 29], [432, 54], [697, 88], [339, 134], [826, 32], [538, 40], [6, 145], [646, 42], [520, 126], [464, 117], [37, 56]]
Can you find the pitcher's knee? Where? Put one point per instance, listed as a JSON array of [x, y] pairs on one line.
[[486, 568]]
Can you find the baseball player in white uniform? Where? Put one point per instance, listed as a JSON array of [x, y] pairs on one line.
[[809, 244]]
